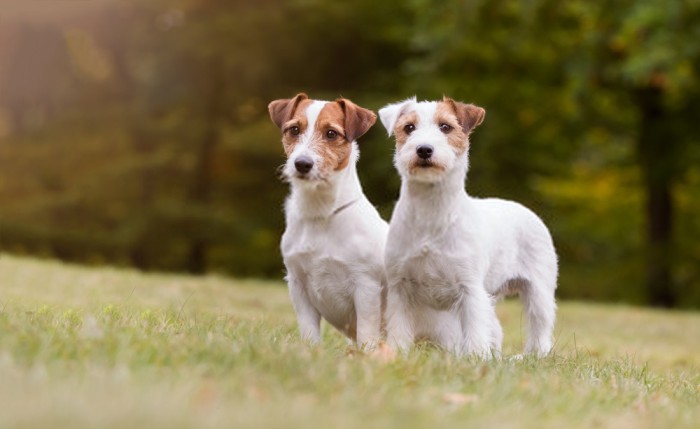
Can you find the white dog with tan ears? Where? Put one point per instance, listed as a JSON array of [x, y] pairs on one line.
[[333, 245], [449, 256]]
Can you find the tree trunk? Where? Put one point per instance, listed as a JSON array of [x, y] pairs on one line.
[[656, 152]]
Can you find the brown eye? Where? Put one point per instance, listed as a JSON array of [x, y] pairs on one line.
[[445, 128], [294, 131], [331, 134], [409, 128]]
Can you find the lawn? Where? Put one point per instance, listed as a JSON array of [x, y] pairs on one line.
[[110, 348]]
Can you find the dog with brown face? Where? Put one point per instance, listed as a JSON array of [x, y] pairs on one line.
[[333, 244], [449, 256]]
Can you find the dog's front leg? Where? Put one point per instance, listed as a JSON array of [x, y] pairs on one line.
[[477, 315], [308, 317], [368, 303], [399, 325]]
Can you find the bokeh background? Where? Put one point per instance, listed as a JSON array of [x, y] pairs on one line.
[[136, 133]]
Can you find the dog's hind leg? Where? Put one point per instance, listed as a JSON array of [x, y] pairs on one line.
[[540, 310], [496, 337]]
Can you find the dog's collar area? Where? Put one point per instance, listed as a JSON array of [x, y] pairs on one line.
[[343, 207]]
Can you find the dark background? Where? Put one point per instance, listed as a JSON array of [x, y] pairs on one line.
[[136, 132]]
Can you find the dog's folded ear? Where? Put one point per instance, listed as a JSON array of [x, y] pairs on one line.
[[282, 110], [390, 113], [358, 120], [469, 115]]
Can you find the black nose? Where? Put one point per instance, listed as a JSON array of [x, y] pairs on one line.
[[304, 164], [424, 151]]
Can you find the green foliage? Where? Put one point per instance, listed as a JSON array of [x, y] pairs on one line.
[[152, 147]]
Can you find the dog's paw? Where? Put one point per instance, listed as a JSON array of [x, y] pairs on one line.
[[480, 350], [383, 353]]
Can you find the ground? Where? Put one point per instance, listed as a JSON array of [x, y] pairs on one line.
[[103, 347]]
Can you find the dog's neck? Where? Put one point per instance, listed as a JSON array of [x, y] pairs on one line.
[[323, 200], [436, 201]]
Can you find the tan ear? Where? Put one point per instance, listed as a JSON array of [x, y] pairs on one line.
[[358, 120], [282, 110], [469, 115]]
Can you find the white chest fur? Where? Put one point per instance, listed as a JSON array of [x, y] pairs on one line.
[[335, 264], [313, 253]]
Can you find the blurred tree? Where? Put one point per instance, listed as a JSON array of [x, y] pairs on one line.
[[184, 81], [30, 95], [152, 146], [649, 51]]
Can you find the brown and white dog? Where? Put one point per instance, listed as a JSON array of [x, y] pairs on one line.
[[333, 245]]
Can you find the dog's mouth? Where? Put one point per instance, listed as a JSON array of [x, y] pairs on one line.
[[310, 179], [425, 165]]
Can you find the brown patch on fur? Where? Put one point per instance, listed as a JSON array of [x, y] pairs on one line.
[[457, 137], [289, 112], [358, 120], [401, 122], [469, 115], [297, 119], [417, 164], [282, 110], [335, 154]]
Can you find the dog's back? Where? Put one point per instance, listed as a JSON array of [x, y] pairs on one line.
[[532, 247]]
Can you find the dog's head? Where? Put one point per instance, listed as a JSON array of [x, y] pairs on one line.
[[432, 137], [318, 136]]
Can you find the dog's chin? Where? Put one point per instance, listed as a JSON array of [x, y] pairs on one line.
[[425, 171], [308, 180]]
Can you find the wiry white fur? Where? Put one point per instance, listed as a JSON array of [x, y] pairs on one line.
[[390, 113], [304, 145], [449, 256], [334, 261]]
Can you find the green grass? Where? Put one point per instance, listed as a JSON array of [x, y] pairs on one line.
[[82, 347]]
